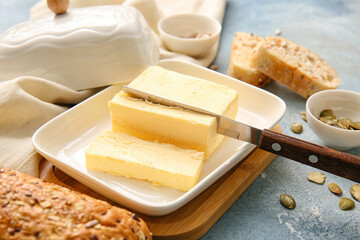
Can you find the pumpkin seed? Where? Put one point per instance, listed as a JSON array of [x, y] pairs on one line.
[[303, 115], [316, 177], [287, 201], [338, 125], [296, 127], [327, 116], [355, 191], [355, 125], [327, 113], [334, 188], [328, 119], [346, 204], [345, 122]]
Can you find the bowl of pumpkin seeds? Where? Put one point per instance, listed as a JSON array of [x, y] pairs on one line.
[[334, 116]]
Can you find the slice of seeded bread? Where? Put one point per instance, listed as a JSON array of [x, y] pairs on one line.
[[34, 209], [240, 65], [299, 68]]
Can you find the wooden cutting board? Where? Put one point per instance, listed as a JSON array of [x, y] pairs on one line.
[[195, 218]]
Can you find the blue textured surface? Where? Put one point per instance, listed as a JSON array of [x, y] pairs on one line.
[[331, 29]]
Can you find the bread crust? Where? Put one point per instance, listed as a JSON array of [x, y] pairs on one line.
[[34, 209], [243, 46], [299, 68]]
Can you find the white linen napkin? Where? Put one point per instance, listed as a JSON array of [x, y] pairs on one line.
[[26, 103]]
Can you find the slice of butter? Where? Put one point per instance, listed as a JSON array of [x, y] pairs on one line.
[[171, 125], [161, 163]]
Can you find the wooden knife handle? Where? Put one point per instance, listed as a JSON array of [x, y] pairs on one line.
[[327, 159]]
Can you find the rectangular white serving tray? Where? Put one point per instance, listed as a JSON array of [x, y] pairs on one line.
[[63, 140]]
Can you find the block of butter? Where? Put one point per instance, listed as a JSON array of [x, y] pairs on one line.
[[186, 129], [161, 163], [83, 48]]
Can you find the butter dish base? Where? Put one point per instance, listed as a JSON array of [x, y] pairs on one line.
[[63, 140]]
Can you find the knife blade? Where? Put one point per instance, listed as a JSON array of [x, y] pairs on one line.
[[327, 159]]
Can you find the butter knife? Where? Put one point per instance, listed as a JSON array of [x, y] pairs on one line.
[[327, 159]]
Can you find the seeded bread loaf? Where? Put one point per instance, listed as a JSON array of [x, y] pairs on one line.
[[34, 209], [240, 66], [297, 67]]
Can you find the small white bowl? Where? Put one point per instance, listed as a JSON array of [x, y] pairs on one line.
[[178, 32], [344, 104]]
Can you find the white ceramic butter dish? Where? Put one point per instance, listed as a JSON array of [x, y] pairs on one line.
[[83, 48], [63, 141]]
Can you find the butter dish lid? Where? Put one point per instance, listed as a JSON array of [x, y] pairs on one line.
[[83, 48]]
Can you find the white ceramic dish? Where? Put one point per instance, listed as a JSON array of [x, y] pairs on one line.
[[344, 104], [63, 139], [84, 48], [190, 34]]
